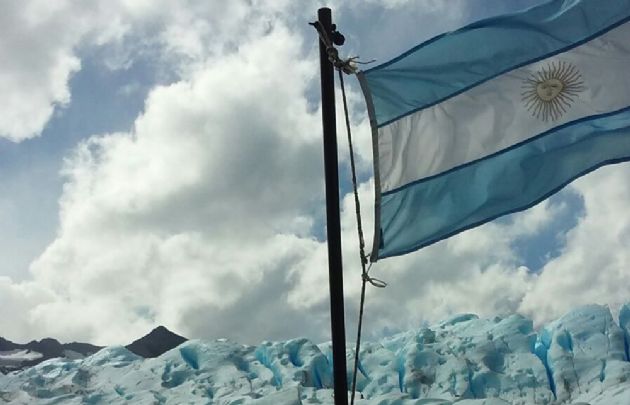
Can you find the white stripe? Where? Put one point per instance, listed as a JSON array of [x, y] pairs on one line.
[[493, 116]]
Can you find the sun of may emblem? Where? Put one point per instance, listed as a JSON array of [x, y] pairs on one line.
[[549, 93]]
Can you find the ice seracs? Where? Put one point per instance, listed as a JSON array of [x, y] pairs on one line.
[[580, 358]]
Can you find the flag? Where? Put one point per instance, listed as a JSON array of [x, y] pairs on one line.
[[495, 117]]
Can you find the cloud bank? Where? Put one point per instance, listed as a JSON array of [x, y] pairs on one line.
[[207, 215]]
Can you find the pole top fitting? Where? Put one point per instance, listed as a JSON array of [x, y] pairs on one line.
[[330, 37], [336, 37]]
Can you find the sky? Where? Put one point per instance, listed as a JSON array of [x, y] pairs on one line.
[[161, 164]]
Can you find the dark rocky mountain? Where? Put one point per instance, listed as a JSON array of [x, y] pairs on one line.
[[7, 345], [52, 348], [158, 341], [15, 356]]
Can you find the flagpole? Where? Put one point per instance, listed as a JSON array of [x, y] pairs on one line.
[[335, 270]]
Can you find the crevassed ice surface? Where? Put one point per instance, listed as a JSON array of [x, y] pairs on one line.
[[581, 358]]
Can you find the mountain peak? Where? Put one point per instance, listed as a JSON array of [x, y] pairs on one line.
[[160, 329], [156, 342], [49, 341]]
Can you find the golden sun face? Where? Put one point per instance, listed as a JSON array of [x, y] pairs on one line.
[[549, 93]]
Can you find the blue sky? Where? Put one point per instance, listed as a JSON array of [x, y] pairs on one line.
[[168, 171]]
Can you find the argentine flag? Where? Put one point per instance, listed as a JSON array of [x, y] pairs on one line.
[[495, 117]]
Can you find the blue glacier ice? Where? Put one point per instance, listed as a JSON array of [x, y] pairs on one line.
[[580, 358]]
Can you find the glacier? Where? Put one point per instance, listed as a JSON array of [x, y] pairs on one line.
[[581, 358]]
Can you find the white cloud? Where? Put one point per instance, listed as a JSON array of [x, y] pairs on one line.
[[17, 301], [593, 266], [479, 270], [476, 271], [191, 209], [37, 61], [40, 43], [202, 216]]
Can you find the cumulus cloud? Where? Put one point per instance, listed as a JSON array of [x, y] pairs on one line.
[[187, 209], [480, 271], [200, 218], [593, 266], [37, 61], [194, 206], [206, 216], [41, 43]]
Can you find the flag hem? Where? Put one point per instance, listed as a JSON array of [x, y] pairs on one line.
[[377, 183], [473, 25]]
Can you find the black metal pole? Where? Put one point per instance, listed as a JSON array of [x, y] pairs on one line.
[[335, 270]]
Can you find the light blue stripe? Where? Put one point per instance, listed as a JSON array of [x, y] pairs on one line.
[[455, 62], [429, 211]]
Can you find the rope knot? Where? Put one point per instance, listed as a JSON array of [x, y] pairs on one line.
[[347, 66]]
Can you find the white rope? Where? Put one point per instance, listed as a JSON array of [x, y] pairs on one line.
[[365, 272], [348, 66]]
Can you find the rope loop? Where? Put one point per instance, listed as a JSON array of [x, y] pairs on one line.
[[365, 276], [373, 281]]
